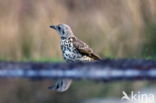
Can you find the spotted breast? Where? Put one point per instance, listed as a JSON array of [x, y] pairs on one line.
[[70, 53]]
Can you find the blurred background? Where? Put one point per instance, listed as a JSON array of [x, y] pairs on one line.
[[113, 28]]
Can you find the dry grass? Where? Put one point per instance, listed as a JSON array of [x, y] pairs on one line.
[[113, 28]]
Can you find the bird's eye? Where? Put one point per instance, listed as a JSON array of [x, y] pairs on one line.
[[63, 31], [59, 28]]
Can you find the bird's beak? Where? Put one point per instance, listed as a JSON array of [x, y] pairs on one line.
[[53, 26]]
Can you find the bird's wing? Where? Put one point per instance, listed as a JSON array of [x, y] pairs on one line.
[[84, 48]]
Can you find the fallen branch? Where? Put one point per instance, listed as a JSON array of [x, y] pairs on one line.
[[105, 70]]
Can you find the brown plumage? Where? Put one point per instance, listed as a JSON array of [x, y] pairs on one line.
[[84, 49]]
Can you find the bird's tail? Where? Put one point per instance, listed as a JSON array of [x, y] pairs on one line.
[[61, 85]]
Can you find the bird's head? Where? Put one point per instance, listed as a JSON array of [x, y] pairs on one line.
[[63, 30]]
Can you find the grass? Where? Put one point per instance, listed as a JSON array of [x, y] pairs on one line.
[[34, 60], [43, 60], [114, 28]]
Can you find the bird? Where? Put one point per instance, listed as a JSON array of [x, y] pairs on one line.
[[73, 50]]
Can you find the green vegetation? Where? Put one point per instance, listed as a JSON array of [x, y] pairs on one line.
[[43, 60]]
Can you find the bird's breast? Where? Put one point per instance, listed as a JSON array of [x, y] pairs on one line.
[[71, 54]]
